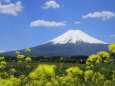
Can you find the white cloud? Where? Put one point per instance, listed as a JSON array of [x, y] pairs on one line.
[[77, 22], [50, 4], [11, 8], [104, 15], [46, 23], [113, 35]]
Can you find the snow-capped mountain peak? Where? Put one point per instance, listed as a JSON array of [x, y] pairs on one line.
[[74, 36]]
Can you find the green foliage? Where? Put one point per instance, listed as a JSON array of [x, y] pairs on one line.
[[99, 70]]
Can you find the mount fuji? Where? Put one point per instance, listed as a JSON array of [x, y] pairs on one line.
[[73, 42]]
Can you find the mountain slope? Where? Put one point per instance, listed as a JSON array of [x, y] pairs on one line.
[[73, 42]]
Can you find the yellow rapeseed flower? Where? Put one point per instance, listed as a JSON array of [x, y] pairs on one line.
[[43, 71], [72, 71], [20, 57], [2, 63], [20, 62], [2, 58], [112, 47], [17, 52], [88, 74], [2, 66], [105, 56], [27, 50], [93, 59], [28, 59], [13, 70]]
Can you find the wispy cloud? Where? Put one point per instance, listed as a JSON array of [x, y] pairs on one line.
[[104, 15], [113, 35], [7, 1], [11, 8], [46, 23], [77, 22], [50, 4], [1, 51]]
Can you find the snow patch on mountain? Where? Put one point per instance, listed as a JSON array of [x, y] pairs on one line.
[[74, 36]]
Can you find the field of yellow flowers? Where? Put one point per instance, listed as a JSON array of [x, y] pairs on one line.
[[99, 70]]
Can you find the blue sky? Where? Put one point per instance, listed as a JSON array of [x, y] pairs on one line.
[[27, 23]]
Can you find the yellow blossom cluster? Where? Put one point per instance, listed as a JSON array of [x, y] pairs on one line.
[[28, 59], [22, 58], [112, 47], [93, 73], [13, 70], [17, 52], [2, 62], [73, 71], [101, 57], [27, 50], [45, 74], [11, 81], [2, 58]]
